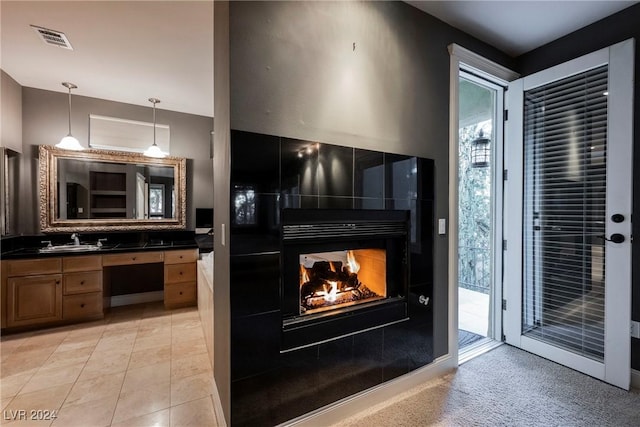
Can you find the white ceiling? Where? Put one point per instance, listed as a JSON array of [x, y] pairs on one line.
[[126, 51], [129, 51], [516, 27]]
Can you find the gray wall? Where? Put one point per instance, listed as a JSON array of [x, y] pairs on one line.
[[221, 217], [45, 121], [10, 113], [295, 73]]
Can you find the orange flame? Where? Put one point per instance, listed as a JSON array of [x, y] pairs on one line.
[[332, 266], [304, 277], [354, 267]]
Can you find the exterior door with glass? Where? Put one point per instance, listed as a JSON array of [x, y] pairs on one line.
[[567, 221], [480, 131]]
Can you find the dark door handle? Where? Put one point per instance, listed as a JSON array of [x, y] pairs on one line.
[[617, 218], [616, 238]]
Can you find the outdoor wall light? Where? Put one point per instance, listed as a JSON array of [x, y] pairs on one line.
[[480, 151]]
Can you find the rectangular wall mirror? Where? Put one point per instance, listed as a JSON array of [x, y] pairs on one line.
[[99, 190]]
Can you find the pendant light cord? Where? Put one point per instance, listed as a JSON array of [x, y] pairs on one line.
[[154, 123], [69, 111], [154, 101]]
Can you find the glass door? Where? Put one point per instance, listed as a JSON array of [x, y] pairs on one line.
[[569, 281], [479, 160]]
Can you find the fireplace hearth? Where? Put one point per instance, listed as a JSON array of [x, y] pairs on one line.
[[344, 271]]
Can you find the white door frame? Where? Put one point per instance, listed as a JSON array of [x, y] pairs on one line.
[[461, 58], [496, 162], [616, 368]]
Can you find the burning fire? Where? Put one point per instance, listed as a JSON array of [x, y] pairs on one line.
[[330, 279], [304, 276], [354, 267], [331, 295]]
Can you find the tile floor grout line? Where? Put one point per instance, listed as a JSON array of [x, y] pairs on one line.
[[80, 374], [115, 408]]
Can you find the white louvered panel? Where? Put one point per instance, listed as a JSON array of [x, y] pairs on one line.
[[565, 130]]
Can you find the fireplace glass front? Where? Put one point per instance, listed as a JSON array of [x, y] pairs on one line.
[[343, 271], [331, 280]]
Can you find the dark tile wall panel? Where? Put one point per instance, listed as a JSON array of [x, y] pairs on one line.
[[270, 387], [335, 170], [299, 167], [368, 174], [254, 344], [255, 161], [256, 284], [325, 202]]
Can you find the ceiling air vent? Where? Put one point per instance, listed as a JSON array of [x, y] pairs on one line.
[[53, 37]]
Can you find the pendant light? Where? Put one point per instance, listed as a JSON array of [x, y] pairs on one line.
[[154, 150], [69, 142]]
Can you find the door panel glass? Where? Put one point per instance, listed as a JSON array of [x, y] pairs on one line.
[[477, 141], [565, 148]]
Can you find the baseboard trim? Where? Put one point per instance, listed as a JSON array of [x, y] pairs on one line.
[[217, 406], [635, 379], [365, 400], [139, 298]]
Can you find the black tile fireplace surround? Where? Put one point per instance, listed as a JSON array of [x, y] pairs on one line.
[[283, 178]]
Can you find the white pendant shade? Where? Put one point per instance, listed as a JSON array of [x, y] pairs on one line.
[[154, 151], [69, 143]]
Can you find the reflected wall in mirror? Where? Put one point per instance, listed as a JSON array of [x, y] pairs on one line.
[[96, 190]]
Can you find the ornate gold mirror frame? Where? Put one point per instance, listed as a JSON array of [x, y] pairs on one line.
[[48, 185]]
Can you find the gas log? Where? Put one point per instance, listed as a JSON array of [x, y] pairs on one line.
[[331, 283]]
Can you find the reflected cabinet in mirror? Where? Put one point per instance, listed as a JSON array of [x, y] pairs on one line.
[[99, 190]]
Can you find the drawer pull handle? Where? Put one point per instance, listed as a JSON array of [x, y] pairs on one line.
[[57, 282], [180, 292], [133, 259], [81, 305], [180, 256], [181, 273], [82, 282]]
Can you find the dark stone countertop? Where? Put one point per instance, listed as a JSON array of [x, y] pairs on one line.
[[24, 247]]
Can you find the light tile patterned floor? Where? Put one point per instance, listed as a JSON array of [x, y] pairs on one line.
[[140, 366]]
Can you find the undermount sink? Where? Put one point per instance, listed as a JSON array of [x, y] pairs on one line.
[[70, 248]]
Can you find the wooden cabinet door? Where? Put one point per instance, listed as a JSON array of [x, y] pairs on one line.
[[33, 300]]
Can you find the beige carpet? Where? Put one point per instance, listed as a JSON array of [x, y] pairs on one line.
[[508, 387]]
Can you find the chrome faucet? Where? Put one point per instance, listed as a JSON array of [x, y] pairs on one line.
[[76, 239]]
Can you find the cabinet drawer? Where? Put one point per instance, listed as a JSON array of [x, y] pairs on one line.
[[78, 283], [178, 273], [29, 267], [179, 294], [82, 306], [132, 258], [82, 263], [181, 256]]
